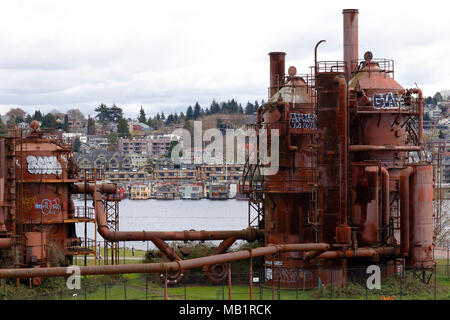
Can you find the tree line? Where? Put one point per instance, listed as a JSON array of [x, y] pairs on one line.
[[197, 112]]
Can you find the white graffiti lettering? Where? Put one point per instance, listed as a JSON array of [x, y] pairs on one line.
[[43, 165], [303, 120], [387, 100]]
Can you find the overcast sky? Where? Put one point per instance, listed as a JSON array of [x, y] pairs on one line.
[[166, 55]]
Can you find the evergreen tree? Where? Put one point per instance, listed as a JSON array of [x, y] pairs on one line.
[[28, 119], [197, 111], [37, 115], [249, 108], [66, 123], [189, 113], [115, 113], [169, 120], [102, 113], [49, 121], [142, 118], [90, 126], [163, 116], [122, 128], [215, 108]]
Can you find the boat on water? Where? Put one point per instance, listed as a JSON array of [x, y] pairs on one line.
[[140, 191]]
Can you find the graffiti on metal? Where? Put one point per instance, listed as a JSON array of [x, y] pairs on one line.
[[287, 275], [28, 203], [49, 206], [387, 101], [43, 165], [303, 121]]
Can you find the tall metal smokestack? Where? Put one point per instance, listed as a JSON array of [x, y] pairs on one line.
[[350, 40], [277, 66]]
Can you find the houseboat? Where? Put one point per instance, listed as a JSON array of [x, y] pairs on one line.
[[192, 191], [166, 191], [140, 191], [218, 191]]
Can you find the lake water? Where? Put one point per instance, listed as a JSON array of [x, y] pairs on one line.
[[174, 215]]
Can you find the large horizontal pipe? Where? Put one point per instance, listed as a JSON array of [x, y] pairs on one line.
[[359, 253], [164, 266], [5, 243], [363, 148], [249, 234], [91, 187]]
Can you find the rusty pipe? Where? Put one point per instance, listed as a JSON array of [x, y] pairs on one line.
[[358, 253], [350, 41], [249, 234], [315, 55], [385, 209], [212, 273], [166, 249], [404, 209], [5, 243], [364, 148], [164, 266], [92, 187], [277, 66]]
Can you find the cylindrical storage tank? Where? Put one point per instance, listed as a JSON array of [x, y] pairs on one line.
[[421, 218], [289, 212], [378, 114]]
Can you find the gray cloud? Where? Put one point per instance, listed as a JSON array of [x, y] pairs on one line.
[[166, 56]]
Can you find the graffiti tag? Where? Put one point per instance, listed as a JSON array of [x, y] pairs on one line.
[[387, 100], [49, 206], [28, 203], [303, 120], [43, 165]]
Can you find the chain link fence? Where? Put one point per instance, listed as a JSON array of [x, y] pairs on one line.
[[404, 285]]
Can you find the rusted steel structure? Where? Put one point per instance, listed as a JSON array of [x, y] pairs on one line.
[[352, 187], [37, 215], [367, 193]]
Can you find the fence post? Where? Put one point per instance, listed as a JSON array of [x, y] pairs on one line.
[[146, 287], [229, 281], [435, 280], [261, 292], [331, 278], [165, 287], [105, 291], [125, 289], [85, 293], [296, 284], [251, 275], [279, 286]]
